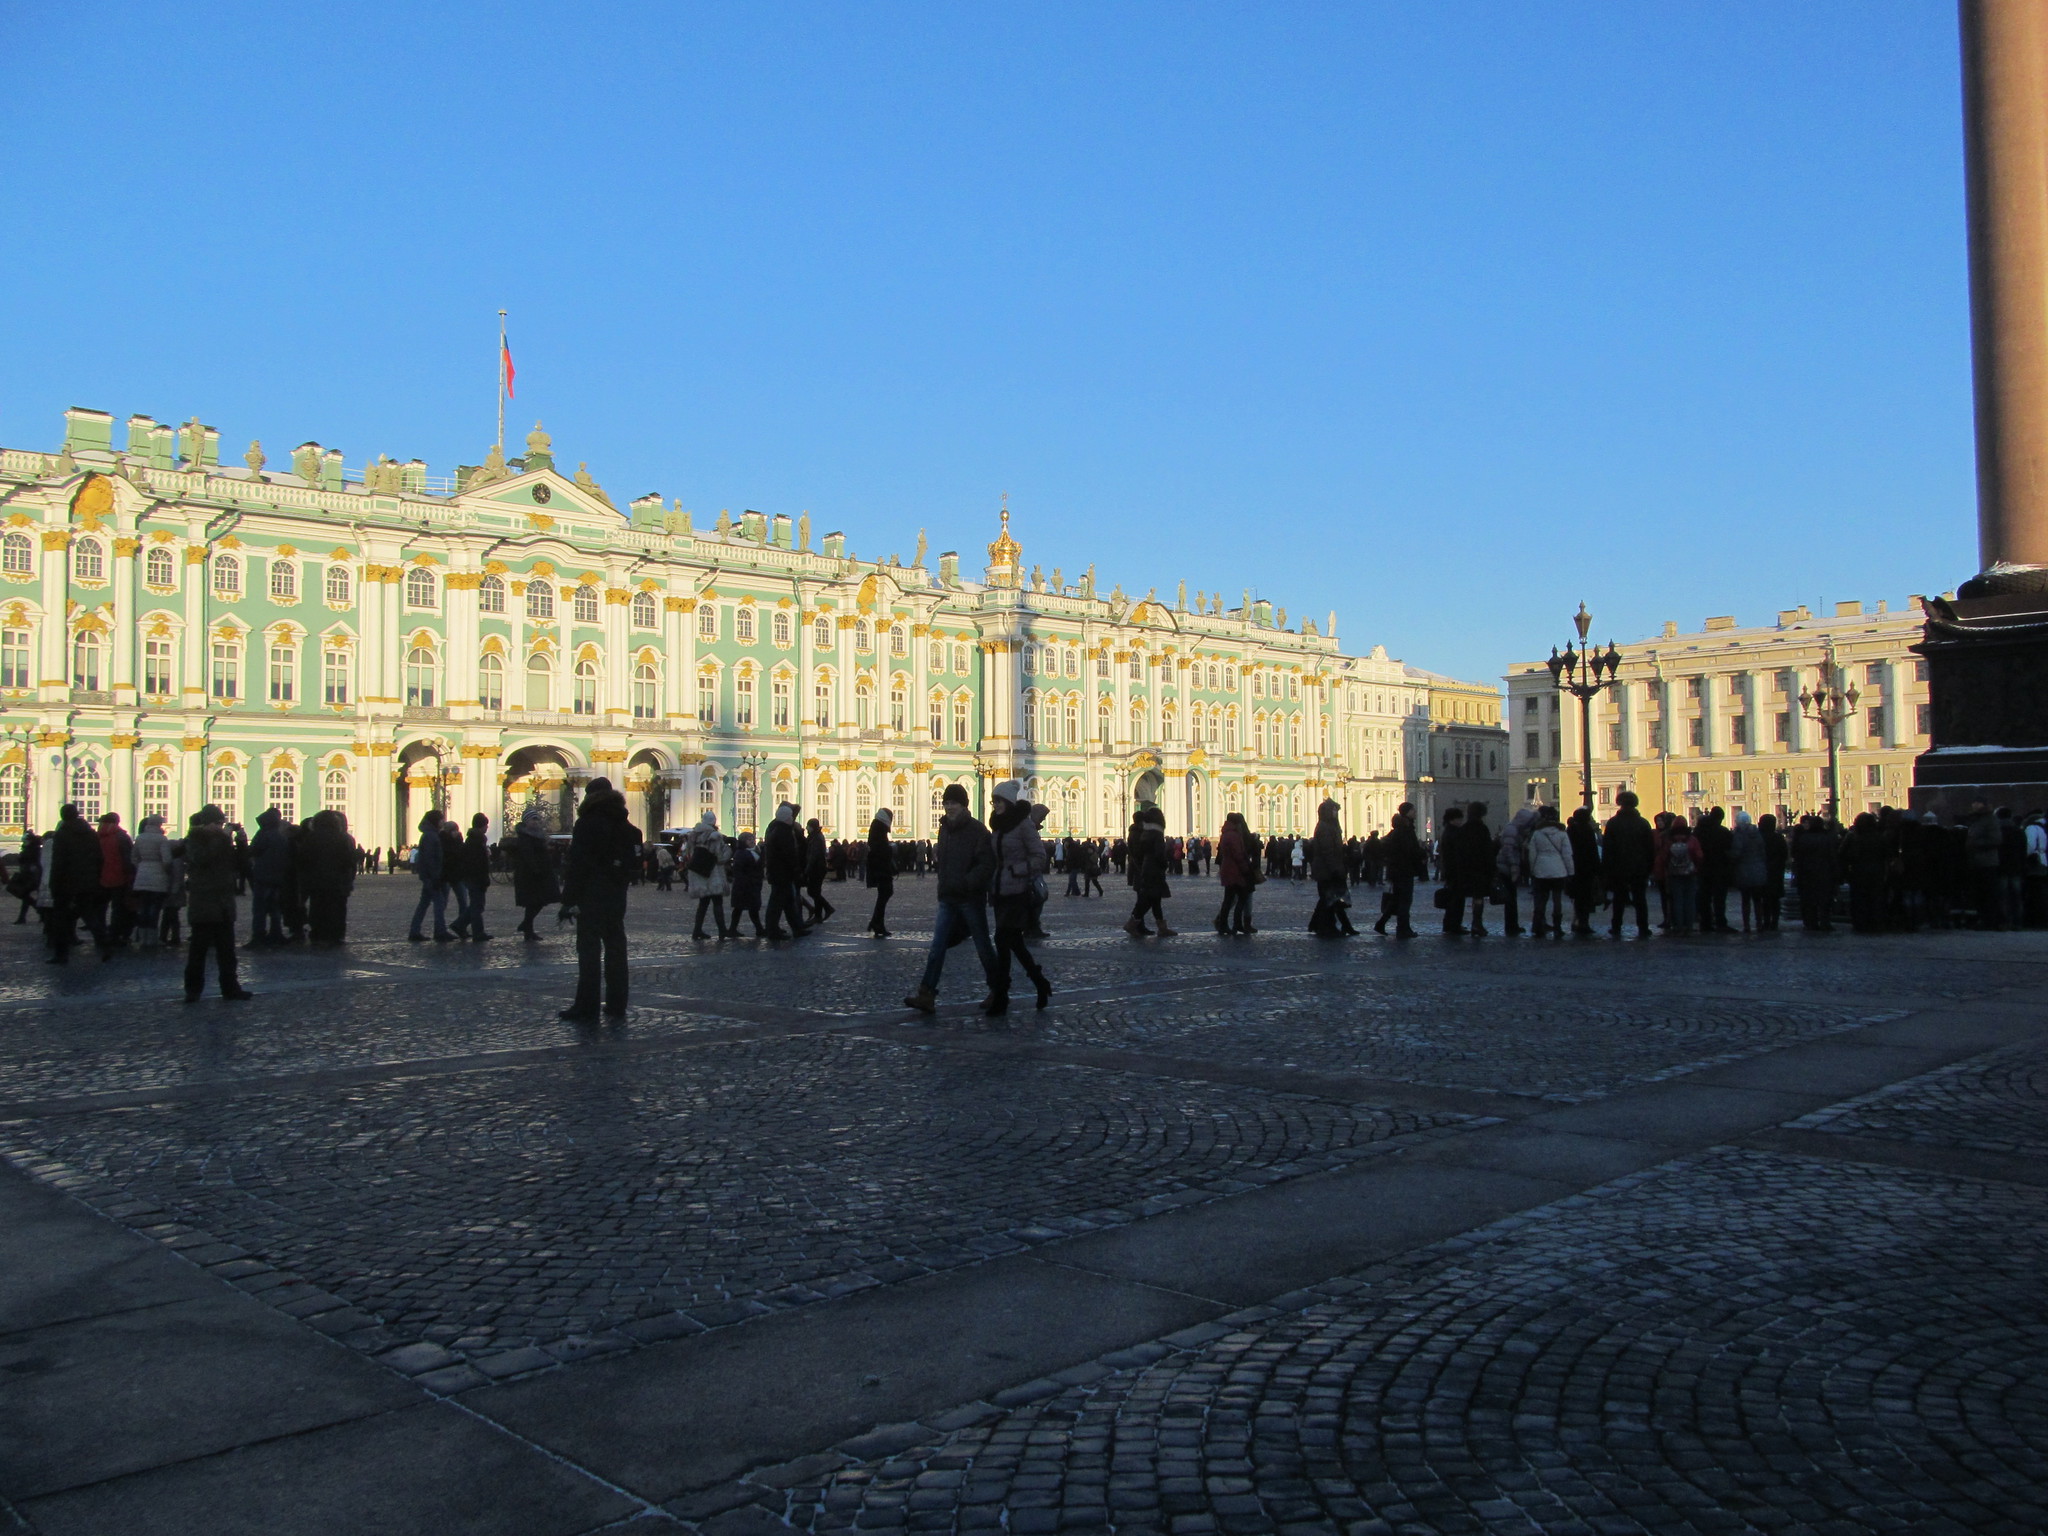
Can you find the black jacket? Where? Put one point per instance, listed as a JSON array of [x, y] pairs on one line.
[[881, 866], [1630, 848], [965, 860], [782, 852], [74, 855], [604, 850]]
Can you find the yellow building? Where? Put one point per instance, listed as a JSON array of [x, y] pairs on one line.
[[1465, 757], [1713, 717]]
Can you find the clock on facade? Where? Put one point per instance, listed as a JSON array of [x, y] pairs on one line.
[[542, 494]]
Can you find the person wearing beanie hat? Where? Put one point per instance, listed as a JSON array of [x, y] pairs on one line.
[[1021, 864], [965, 862], [604, 852], [1009, 790]]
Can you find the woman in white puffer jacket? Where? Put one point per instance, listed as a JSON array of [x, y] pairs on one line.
[[1550, 865]]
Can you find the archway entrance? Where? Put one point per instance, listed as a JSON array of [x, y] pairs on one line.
[[422, 786], [538, 777], [1146, 787]]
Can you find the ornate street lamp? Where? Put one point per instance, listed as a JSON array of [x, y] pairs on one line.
[[1828, 704], [1584, 672]]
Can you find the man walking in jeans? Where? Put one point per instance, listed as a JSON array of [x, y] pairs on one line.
[[966, 861]]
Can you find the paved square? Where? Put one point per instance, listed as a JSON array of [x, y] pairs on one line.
[[1238, 1235]]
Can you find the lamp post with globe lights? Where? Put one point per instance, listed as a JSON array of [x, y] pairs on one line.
[[1584, 672], [1828, 703]]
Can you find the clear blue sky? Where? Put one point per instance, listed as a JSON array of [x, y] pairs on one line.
[[1443, 316]]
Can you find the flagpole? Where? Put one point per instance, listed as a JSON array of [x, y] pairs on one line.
[[501, 381]]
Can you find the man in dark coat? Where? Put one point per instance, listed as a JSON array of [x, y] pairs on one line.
[[270, 866], [1326, 866], [75, 862], [880, 870], [1716, 842], [1469, 870], [472, 877], [966, 863], [211, 867], [429, 863], [1626, 856], [815, 862], [604, 852], [782, 865]]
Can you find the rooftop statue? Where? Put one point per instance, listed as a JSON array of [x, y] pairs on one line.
[[492, 470], [803, 532], [919, 557], [255, 460]]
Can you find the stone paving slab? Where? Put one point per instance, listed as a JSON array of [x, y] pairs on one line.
[[558, 1207], [1996, 1102], [1736, 1342]]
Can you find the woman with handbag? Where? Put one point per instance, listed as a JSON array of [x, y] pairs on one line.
[[1021, 863], [704, 874]]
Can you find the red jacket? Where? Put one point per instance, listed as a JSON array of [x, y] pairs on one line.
[[116, 868]]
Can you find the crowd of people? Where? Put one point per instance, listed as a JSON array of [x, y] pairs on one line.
[[1887, 870]]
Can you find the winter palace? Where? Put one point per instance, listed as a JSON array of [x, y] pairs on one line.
[[175, 630]]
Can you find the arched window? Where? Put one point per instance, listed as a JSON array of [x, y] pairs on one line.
[[284, 793], [227, 577], [938, 720], [540, 600], [421, 589], [224, 789], [782, 630], [490, 681], [863, 802], [899, 640], [899, 705], [585, 702], [962, 705], [645, 614], [864, 705], [540, 683], [821, 634], [87, 792], [1105, 720], [821, 698], [863, 635], [1169, 723], [1259, 737], [1031, 715], [419, 678], [963, 661], [340, 587], [334, 790], [18, 555], [707, 696], [226, 679], [284, 582], [645, 685], [85, 661], [585, 606], [88, 561], [780, 691], [334, 670], [1138, 732], [14, 796], [160, 568], [1027, 659], [1074, 720], [707, 794], [744, 683], [743, 624], [156, 792], [490, 595], [707, 621]]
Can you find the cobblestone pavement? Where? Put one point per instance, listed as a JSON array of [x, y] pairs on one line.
[[403, 1147], [1743, 1342], [1990, 1103]]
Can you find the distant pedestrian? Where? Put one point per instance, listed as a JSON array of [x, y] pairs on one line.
[[881, 870], [1627, 854], [473, 877], [604, 852], [746, 884], [1326, 864], [782, 866], [72, 860], [704, 860], [534, 885], [1746, 868], [1549, 851], [429, 861], [270, 869], [1147, 860], [1406, 861], [816, 866], [327, 873], [1237, 869], [965, 862], [152, 855]]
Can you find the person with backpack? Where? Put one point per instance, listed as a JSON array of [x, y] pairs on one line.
[[1680, 872], [704, 856]]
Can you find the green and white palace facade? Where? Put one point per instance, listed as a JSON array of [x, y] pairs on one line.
[[175, 631]]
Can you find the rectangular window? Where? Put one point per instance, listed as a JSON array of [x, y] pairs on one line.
[[334, 677], [1873, 775], [707, 622], [1920, 670], [1926, 719], [707, 699], [1781, 782], [1735, 782], [1692, 782], [14, 659], [1531, 705], [643, 693], [1534, 748], [778, 696], [1876, 717], [1615, 744], [821, 697], [1738, 730], [284, 666], [1696, 687], [1784, 727], [1696, 733], [227, 671], [1557, 744], [960, 722], [156, 666], [743, 701]]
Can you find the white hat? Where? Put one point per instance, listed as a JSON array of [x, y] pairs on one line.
[[1011, 791]]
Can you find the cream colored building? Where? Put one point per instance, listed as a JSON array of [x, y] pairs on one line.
[[1465, 749], [1712, 717]]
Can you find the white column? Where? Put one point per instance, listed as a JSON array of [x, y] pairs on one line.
[[123, 675], [54, 666]]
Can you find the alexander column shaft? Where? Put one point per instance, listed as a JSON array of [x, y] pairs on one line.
[[2005, 115]]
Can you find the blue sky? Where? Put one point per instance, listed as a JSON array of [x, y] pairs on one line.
[[1442, 316]]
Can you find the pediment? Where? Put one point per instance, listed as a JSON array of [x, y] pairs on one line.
[[544, 493]]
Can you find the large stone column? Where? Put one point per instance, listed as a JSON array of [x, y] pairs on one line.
[[2005, 123]]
